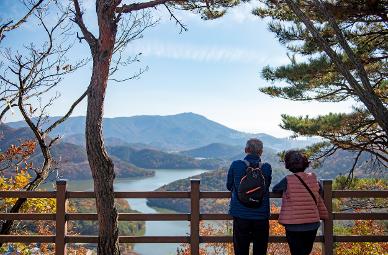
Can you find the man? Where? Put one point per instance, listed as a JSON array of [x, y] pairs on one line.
[[249, 224]]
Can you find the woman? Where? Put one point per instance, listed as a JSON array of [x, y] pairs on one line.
[[302, 206]]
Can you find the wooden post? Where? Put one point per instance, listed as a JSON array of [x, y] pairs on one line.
[[328, 245], [194, 221], [61, 224]]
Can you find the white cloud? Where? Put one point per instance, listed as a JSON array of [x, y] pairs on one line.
[[199, 53], [238, 14], [243, 12]]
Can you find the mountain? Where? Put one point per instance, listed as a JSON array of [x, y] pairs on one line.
[[10, 135], [178, 132], [229, 153], [79, 139], [129, 159], [214, 150], [71, 158], [155, 159]]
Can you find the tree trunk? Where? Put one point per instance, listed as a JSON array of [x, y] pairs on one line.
[[103, 173], [100, 164]]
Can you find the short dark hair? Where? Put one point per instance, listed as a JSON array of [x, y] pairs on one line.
[[296, 161], [254, 146]]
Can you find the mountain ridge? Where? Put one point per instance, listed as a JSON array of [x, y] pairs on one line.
[[177, 132], [71, 158]]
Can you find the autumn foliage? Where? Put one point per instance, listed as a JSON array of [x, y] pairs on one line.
[[225, 228], [363, 228], [15, 176], [358, 228], [207, 229]]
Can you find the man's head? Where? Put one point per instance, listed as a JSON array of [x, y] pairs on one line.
[[296, 161], [254, 146]]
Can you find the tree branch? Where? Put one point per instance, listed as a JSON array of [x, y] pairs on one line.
[[88, 36], [177, 21], [56, 123], [7, 27], [127, 8]]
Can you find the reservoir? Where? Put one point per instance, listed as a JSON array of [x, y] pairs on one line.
[[153, 228]]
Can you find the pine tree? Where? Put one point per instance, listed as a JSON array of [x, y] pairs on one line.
[[338, 52]]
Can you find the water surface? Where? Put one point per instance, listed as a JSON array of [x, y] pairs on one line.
[[153, 228]]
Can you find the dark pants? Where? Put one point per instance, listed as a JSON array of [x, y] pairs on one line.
[[301, 242], [247, 231]]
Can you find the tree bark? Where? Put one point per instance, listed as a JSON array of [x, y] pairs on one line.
[[100, 164], [102, 169]]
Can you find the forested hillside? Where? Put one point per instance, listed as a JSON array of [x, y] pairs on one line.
[[129, 159], [215, 150], [210, 181], [71, 159], [154, 159]]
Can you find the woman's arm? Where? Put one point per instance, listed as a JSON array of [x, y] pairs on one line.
[[320, 188], [281, 186]]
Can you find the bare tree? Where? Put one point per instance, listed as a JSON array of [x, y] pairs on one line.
[[26, 78], [102, 47], [11, 25]]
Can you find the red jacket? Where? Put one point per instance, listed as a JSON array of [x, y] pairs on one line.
[[298, 207]]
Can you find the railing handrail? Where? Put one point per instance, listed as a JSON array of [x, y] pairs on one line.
[[194, 217], [179, 194]]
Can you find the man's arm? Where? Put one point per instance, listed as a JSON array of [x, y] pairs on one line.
[[269, 176], [267, 171], [281, 186], [230, 179]]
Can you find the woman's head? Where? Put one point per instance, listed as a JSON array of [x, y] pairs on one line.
[[296, 161]]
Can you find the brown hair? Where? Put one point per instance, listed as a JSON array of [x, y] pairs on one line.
[[296, 161]]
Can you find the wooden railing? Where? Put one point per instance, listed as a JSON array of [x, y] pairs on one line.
[[61, 217]]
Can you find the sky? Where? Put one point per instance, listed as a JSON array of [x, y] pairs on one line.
[[213, 69]]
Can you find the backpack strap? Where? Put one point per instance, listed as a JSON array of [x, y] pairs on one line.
[[308, 189], [248, 164]]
